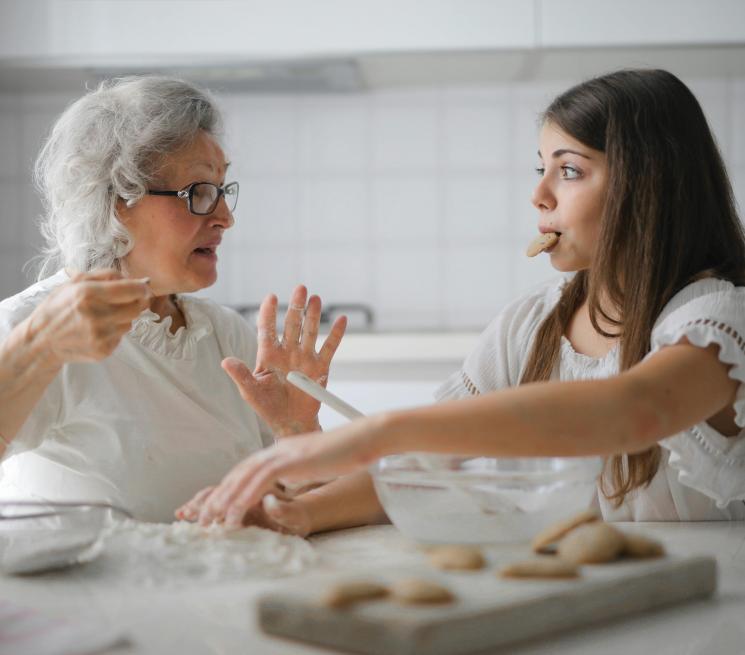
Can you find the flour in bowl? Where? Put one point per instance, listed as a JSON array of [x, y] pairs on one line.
[[156, 554]]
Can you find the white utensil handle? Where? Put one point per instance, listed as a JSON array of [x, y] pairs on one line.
[[315, 390]]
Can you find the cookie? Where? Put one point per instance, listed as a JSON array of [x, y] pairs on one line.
[[540, 567], [640, 547], [542, 242], [592, 543], [345, 594], [415, 591], [456, 558], [555, 532]]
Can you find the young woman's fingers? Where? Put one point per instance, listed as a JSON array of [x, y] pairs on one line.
[[310, 324], [294, 316], [266, 324], [333, 340], [252, 491]]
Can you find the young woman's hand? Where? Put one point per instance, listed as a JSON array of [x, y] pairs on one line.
[[286, 409], [85, 319], [302, 458]]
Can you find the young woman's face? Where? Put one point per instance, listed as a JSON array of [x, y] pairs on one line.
[[177, 250], [569, 197]]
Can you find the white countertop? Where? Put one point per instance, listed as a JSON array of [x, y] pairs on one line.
[[382, 347], [220, 618]]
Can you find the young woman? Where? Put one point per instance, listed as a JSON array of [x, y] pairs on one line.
[[636, 354]]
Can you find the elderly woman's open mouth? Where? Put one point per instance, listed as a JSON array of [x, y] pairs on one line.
[[208, 250]]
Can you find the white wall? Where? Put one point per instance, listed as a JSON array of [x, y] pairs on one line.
[[414, 201]]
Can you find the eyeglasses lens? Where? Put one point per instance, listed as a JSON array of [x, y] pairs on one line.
[[203, 198]]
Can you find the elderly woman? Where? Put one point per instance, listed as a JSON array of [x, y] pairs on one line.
[[111, 386]]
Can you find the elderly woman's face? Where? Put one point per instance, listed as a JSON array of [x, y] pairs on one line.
[[176, 249]]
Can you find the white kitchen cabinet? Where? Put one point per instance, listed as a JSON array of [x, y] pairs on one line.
[[608, 23], [148, 32]]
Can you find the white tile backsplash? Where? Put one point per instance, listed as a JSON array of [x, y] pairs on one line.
[[405, 209], [267, 212], [477, 208], [476, 135], [333, 209], [334, 136], [10, 143], [414, 201], [405, 135]]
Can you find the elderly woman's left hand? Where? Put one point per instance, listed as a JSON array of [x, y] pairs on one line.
[[286, 409]]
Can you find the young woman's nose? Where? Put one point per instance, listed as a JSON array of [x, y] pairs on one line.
[[542, 198]]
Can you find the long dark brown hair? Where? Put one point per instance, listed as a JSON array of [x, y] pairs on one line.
[[669, 219]]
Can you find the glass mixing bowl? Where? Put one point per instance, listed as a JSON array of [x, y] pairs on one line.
[[41, 536], [449, 499]]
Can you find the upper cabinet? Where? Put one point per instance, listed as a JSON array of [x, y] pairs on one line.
[[99, 33], [167, 31], [604, 23]]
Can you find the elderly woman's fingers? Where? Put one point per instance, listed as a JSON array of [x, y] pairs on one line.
[[190, 511], [243, 378], [310, 324], [333, 340], [266, 324], [294, 316], [98, 274], [100, 297]]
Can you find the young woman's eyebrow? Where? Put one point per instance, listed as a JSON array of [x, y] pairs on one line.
[[564, 151]]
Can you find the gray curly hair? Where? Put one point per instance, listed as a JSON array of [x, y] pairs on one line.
[[108, 145]]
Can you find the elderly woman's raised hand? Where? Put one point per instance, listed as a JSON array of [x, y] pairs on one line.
[[285, 408], [85, 319]]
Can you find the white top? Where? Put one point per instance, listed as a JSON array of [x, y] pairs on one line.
[[702, 473], [147, 427]]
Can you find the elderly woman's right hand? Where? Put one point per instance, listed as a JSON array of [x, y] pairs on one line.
[[85, 319]]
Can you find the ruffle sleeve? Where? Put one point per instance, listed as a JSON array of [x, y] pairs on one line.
[[705, 313]]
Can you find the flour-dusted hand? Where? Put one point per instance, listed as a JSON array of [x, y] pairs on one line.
[[314, 456], [277, 511], [85, 319], [285, 408]]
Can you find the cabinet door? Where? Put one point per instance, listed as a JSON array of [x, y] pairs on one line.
[[640, 22], [148, 32]]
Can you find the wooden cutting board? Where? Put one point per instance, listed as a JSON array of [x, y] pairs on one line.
[[488, 612]]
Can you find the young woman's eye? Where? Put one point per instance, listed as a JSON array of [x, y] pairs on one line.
[[570, 173], [540, 170]]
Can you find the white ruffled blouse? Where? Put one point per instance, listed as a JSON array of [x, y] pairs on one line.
[[147, 427], [702, 473]]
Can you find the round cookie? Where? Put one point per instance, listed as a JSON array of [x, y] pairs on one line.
[[541, 242], [553, 533], [456, 558], [344, 594], [640, 547], [592, 543], [415, 591], [540, 567]]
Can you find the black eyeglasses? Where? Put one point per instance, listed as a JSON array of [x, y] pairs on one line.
[[202, 197]]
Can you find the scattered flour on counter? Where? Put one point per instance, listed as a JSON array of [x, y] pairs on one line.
[[156, 554]]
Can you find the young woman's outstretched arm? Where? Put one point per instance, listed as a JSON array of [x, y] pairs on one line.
[[677, 387]]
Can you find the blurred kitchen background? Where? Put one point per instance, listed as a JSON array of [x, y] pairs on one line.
[[385, 149]]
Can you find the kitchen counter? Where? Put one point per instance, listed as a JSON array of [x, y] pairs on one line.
[[220, 618]]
